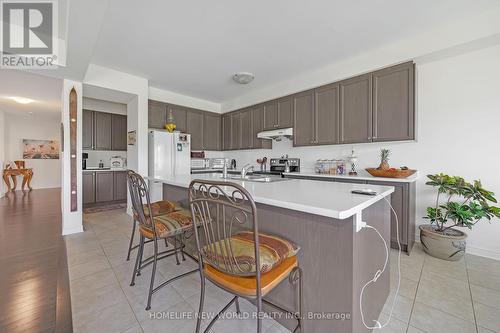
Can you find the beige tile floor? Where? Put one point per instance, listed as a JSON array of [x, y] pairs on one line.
[[435, 295]]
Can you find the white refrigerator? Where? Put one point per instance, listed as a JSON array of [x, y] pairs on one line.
[[169, 154]]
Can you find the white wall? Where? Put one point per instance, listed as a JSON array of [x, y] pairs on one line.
[[104, 106], [46, 173], [2, 154], [458, 104], [184, 100]]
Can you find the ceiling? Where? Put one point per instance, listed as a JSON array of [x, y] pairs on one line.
[[45, 91], [194, 47]]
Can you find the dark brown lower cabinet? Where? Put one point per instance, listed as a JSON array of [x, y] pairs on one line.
[[103, 187], [120, 185], [88, 192], [403, 202]]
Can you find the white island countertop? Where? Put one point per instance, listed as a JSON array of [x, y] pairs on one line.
[[331, 199], [362, 175]]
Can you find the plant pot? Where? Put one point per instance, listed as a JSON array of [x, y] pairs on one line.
[[448, 246]]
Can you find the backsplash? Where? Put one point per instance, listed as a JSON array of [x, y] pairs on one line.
[[367, 153], [96, 155]]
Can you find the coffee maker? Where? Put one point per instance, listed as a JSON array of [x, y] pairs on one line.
[[85, 156]]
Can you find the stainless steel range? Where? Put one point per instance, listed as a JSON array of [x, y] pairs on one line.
[[280, 165]]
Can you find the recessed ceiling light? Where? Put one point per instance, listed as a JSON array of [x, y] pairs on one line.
[[21, 100], [243, 77]]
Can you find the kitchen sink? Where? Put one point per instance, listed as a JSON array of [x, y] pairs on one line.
[[257, 178]]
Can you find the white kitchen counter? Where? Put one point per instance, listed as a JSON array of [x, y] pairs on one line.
[[362, 175], [330, 199]]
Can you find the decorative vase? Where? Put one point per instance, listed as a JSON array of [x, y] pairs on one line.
[[448, 246]]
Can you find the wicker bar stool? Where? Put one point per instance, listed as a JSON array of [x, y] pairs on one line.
[[234, 255], [153, 228]]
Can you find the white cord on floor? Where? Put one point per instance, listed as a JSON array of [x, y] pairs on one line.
[[379, 272]]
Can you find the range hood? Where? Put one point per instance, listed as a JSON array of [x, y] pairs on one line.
[[276, 134]]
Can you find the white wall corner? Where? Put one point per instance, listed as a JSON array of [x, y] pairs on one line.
[[2, 150], [166, 96], [72, 222]]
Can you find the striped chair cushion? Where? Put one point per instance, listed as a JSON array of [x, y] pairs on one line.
[[273, 251], [168, 225], [159, 208]]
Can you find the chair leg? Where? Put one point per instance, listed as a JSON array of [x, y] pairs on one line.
[[166, 243], [141, 256], [237, 303], [176, 249], [131, 240], [137, 260], [259, 314], [153, 273], [182, 247], [202, 300], [296, 277]]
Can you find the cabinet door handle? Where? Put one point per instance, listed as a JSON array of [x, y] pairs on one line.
[[276, 125]]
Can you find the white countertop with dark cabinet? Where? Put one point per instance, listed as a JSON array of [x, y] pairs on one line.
[[402, 200]]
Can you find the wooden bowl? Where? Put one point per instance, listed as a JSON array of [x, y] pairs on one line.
[[397, 173]]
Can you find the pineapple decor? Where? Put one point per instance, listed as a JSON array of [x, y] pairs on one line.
[[384, 159]]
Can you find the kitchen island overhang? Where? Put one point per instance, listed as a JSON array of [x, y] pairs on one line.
[[336, 260]]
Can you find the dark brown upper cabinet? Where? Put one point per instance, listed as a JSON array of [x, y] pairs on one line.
[[88, 130], [118, 132], [195, 128], [246, 129], [303, 113], [285, 112], [179, 115], [326, 115], [226, 132], [355, 113], [278, 113], [157, 113], [211, 131], [258, 126], [236, 130], [102, 131], [393, 103]]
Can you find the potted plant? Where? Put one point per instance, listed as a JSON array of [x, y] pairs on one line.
[[464, 205]]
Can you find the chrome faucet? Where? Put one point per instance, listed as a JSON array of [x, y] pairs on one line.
[[287, 166], [224, 168], [245, 169]]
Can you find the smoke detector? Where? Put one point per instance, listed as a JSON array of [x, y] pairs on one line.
[[243, 77]]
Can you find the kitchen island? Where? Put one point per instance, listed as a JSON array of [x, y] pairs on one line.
[[336, 259]]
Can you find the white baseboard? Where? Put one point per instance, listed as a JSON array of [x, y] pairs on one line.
[[73, 230], [483, 252]]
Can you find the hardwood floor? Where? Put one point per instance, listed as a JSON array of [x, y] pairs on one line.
[[33, 263]]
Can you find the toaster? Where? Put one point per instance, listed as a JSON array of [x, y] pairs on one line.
[[117, 162]]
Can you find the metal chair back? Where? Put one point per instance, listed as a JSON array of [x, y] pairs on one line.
[[139, 195], [219, 210]]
